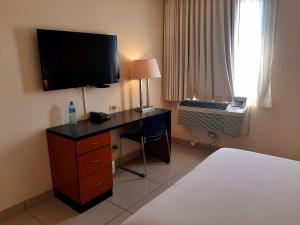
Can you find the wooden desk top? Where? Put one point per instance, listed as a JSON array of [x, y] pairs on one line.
[[85, 128]]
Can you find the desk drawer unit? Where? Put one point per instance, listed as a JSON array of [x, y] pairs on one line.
[[81, 170], [95, 184], [94, 160], [92, 143]]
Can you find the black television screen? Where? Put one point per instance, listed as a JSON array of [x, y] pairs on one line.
[[72, 59]]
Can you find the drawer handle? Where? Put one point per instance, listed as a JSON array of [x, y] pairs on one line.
[[95, 143], [98, 184], [95, 161]]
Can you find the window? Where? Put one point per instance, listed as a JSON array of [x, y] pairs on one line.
[[253, 50], [247, 51], [205, 60]]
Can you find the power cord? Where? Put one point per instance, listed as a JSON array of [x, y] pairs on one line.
[[213, 136], [194, 141]]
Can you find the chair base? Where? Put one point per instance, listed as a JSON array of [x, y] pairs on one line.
[[142, 175], [143, 141]]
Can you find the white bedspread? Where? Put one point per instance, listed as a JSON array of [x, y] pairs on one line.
[[232, 187]]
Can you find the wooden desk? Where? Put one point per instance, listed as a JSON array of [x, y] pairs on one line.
[[80, 156]]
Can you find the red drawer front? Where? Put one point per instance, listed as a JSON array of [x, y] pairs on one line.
[[96, 184], [92, 143], [93, 161]]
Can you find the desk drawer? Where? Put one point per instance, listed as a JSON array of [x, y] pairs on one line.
[[92, 143], [95, 160], [96, 184]]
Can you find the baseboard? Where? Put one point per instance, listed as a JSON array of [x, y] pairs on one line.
[[38, 199], [27, 204], [11, 211], [198, 145]]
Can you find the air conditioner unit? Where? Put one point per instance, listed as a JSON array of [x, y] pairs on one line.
[[220, 118]]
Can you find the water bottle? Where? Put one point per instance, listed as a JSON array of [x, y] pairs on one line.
[[72, 113]]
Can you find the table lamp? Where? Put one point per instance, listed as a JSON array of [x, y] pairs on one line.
[[144, 69]]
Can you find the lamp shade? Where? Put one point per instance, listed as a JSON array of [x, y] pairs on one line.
[[145, 69]]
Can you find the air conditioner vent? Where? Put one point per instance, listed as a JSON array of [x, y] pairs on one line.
[[220, 118]]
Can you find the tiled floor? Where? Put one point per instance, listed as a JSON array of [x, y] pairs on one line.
[[130, 193]]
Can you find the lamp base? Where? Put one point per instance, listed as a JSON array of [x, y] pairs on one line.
[[144, 109]]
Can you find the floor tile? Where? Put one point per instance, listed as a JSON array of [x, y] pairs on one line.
[[147, 199], [32, 222], [119, 219], [178, 176], [100, 214], [20, 218], [129, 188], [57, 214], [163, 172], [156, 170], [45, 206], [187, 155]]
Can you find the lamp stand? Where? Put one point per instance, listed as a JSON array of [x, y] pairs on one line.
[[143, 108], [148, 97]]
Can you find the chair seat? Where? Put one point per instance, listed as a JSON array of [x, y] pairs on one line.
[[136, 136]]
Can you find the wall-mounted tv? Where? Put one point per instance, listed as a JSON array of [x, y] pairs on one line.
[[72, 59]]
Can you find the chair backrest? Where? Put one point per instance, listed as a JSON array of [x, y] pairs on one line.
[[154, 126]]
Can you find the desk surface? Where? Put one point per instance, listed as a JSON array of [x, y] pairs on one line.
[[85, 128]]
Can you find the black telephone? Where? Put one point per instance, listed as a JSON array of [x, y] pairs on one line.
[[97, 117]]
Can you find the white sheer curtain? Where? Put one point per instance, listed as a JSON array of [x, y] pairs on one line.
[[253, 50], [198, 49]]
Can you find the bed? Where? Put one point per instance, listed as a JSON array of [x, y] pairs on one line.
[[231, 187]]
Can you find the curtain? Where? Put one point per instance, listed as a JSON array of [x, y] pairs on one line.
[[269, 11], [198, 49]]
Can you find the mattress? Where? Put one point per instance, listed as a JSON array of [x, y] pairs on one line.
[[231, 187]]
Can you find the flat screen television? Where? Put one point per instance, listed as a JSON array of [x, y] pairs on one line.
[[72, 59]]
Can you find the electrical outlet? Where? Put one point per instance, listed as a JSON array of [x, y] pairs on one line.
[[212, 135], [113, 108], [115, 147]]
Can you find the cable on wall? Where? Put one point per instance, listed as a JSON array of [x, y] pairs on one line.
[[84, 102]]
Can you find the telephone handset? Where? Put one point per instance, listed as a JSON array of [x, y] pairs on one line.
[[97, 117]]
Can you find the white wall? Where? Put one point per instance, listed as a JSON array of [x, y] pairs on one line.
[[274, 131], [26, 111]]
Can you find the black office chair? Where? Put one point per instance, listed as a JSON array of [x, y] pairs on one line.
[[152, 129]]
